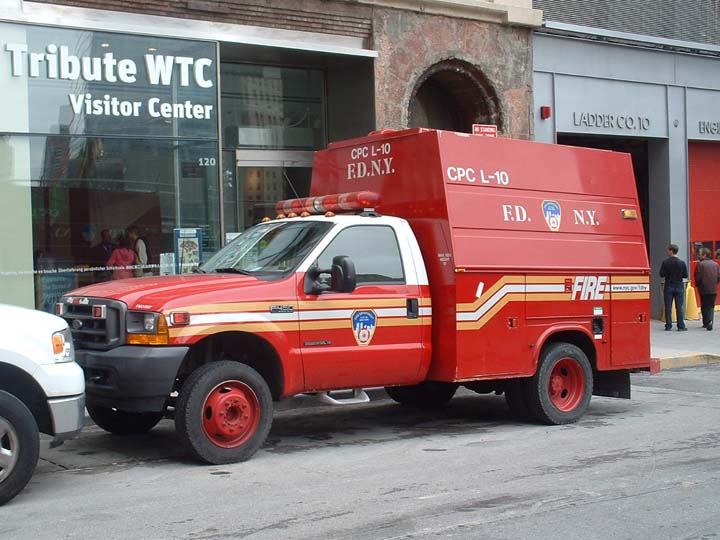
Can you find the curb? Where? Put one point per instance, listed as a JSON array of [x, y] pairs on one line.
[[689, 360]]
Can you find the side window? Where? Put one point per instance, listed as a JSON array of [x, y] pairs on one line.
[[374, 250]]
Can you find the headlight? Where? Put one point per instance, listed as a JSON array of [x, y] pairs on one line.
[[62, 344], [146, 328]]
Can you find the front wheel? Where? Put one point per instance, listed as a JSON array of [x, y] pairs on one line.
[[224, 412], [122, 422], [19, 446], [425, 395], [560, 391]]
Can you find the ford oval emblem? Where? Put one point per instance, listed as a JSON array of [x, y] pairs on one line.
[[77, 324]]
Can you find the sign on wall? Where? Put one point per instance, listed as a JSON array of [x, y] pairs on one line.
[[606, 107], [703, 111], [100, 83]]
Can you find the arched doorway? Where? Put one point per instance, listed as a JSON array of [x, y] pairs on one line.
[[453, 95]]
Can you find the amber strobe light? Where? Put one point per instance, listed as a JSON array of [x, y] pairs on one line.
[[342, 202]]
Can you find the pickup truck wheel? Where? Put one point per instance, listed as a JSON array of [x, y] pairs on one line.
[[224, 411], [516, 397], [425, 395], [122, 422], [561, 389], [19, 446]]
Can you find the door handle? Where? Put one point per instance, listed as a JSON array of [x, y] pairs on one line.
[[413, 308]]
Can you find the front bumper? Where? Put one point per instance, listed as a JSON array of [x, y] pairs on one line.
[[130, 378], [68, 414]]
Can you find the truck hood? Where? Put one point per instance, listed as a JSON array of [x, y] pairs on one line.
[[157, 293]]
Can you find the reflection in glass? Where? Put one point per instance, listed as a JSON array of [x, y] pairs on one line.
[[272, 107], [86, 189]]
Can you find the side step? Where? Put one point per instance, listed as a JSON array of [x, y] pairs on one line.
[[344, 397]]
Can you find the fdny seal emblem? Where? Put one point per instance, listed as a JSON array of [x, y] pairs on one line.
[[363, 324], [552, 214]]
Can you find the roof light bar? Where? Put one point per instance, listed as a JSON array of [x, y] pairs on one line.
[[343, 202]]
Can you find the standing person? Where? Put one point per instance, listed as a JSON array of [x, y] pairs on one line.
[[707, 277], [121, 259], [140, 249], [100, 253], [675, 272]]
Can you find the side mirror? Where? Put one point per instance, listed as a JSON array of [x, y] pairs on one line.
[[340, 278], [343, 274]]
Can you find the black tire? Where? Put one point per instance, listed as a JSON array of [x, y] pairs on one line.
[[19, 446], [122, 422], [568, 370], [224, 412], [425, 395], [516, 397]]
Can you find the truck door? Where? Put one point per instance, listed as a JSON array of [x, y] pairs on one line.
[[373, 335]]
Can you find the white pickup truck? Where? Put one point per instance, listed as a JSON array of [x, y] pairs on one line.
[[42, 389]]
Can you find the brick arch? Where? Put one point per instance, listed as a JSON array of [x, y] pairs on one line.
[[454, 94]]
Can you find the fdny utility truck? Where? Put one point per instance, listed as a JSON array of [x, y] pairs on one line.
[[422, 261]]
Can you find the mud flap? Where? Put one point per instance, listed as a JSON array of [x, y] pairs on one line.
[[612, 384]]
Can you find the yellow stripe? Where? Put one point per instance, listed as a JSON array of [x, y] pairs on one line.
[[554, 280], [239, 307], [470, 325], [353, 304], [249, 307], [243, 327], [491, 291], [385, 322], [629, 279], [630, 296]]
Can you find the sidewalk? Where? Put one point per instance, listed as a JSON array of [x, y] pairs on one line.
[[676, 349]]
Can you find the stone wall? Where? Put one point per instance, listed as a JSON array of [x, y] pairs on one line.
[[409, 43]]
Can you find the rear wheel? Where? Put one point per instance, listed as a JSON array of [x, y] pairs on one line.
[[224, 412], [425, 395], [19, 446], [122, 422], [561, 389]]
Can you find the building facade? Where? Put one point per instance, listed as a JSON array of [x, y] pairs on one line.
[[632, 77], [192, 118]]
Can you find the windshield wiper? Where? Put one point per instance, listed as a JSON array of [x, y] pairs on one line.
[[231, 270]]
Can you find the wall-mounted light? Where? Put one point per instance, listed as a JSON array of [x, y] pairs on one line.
[[545, 112], [104, 45], [152, 49]]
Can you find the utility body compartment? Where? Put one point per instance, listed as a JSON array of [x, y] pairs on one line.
[[525, 243]]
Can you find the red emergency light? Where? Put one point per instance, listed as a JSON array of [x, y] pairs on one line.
[[342, 202]]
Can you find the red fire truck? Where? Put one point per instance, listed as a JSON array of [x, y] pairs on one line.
[[422, 261]]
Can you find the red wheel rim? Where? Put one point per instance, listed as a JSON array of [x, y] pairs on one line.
[[231, 413], [566, 385]]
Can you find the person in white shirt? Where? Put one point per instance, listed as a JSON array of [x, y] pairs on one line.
[[141, 256]]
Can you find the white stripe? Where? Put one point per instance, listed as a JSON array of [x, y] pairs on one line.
[[507, 289], [220, 318], [331, 314]]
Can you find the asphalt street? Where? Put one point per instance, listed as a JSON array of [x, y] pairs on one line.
[[645, 468]]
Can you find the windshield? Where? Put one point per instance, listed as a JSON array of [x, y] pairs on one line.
[[271, 249]]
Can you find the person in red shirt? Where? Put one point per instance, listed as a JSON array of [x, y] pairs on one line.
[[121, 260], [707, 277]]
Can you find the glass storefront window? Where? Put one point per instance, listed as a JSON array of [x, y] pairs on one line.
[[79, 187], [272, 107], [103, 131]]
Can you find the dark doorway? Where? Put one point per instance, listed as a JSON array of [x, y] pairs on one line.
[[454, 95]]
